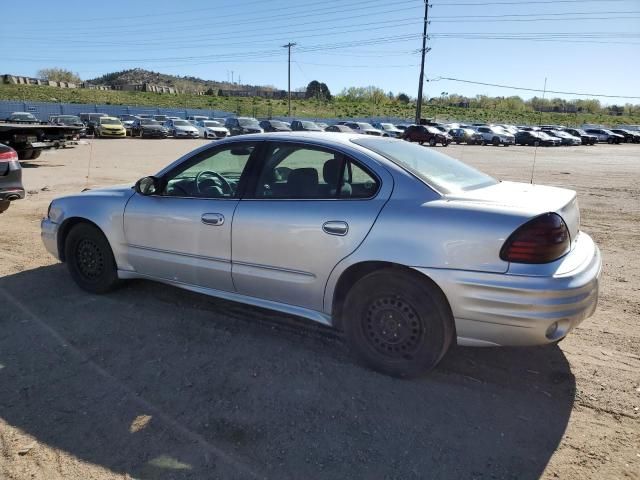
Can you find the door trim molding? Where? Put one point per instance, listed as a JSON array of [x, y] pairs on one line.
[[181, 254]]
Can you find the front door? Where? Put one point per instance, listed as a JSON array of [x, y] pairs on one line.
[[309, 208], [183, 234]]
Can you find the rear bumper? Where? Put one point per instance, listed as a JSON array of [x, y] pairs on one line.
[[511, 309]]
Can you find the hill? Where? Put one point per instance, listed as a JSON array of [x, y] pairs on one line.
[[185, 84]]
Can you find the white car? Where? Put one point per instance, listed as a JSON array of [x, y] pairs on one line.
[[390, 129], [495, 136], [181, 129], [364, 127], [211, 129]]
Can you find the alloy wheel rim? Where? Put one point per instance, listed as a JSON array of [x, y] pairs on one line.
[[392, 327]]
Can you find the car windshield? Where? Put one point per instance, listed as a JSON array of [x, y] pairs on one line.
[[387, 126], [110, 121], [276, 124], [211, 123], [181, 123], [432, 130], [309, 125], [149, 122], [364, 125], [23, 116], [69, 120], [442, 172], [248, 122]]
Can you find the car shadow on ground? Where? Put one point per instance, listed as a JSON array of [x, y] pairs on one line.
[[157, 382]]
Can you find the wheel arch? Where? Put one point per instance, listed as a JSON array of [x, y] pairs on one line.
[[355, 272], [65, 228]]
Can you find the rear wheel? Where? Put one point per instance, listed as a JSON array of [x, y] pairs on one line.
[[90, 259], [432, 141], [397, 325], [495, 142], [141, 135], [36, 153]]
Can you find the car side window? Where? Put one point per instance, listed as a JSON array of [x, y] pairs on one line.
[[214, 173], [293, 171]]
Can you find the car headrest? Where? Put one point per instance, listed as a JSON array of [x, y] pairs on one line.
[[303, 182]]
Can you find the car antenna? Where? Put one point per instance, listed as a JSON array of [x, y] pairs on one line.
[[86, 184], [535, 152]]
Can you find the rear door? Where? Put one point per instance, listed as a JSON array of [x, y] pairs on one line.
[[308, 208]]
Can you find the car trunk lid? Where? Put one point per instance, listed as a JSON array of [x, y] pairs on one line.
[[529, 199]]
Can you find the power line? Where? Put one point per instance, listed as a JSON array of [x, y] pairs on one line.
[[535, 2], [511, 87]]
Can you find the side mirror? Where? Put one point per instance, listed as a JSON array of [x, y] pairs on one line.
[[148, 186]]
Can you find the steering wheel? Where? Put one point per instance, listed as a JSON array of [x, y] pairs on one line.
[[226, 188]]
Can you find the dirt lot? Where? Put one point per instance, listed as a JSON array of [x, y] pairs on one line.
[[153, 382]]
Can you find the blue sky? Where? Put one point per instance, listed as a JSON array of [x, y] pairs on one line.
[[580, 46]]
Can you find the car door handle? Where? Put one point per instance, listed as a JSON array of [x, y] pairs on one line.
[[216, 219], [335, 227]]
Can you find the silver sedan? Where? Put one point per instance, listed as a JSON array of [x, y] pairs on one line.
[[404, 249]]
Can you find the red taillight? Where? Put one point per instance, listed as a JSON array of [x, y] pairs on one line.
[[9, 156], [541, 240]]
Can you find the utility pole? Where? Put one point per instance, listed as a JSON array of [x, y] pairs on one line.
[[231, 76], [424, 52], [289, 45]]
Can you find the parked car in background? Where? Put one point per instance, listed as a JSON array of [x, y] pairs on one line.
[[211, 129], [629, 136], [127, 121], [339, 129], [496, 136], [389, 128], [274, 126], [109, 127], [586, 138], [605, 135], [426, 134], [195, 118], [430, 256], [364, 127], [90, 120], [160, 118], [11, 188], [181, 129], [465, 135], [22, 117], [304, 126], [221, 120], [322, 125], [243, 125], [72, 120], [146, 127], [565, 138], [536, 138]]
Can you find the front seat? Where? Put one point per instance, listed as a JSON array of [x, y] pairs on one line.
[[303, 183], [330, 172]]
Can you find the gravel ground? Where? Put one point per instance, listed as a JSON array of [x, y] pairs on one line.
[[151, 382]]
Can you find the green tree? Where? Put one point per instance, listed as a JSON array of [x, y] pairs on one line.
[[58, 75], [403, 98], [317, 90]]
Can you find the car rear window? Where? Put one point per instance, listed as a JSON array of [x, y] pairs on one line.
[[440, 171]]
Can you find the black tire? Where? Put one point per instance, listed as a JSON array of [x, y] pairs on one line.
[[432, 142], [36, 153], [495, 142], [25, 154], [424, 329], [141, 133], [445, 144], [536, 143], [90, 259], [457, 142]]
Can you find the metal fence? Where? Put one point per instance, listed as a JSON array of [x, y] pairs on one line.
[[42, 110]]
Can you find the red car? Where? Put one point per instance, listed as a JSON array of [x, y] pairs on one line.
[[425, 133]]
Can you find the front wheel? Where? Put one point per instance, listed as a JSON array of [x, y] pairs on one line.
[[397, 325], [496, 142], [90, 260], [432, 142]]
